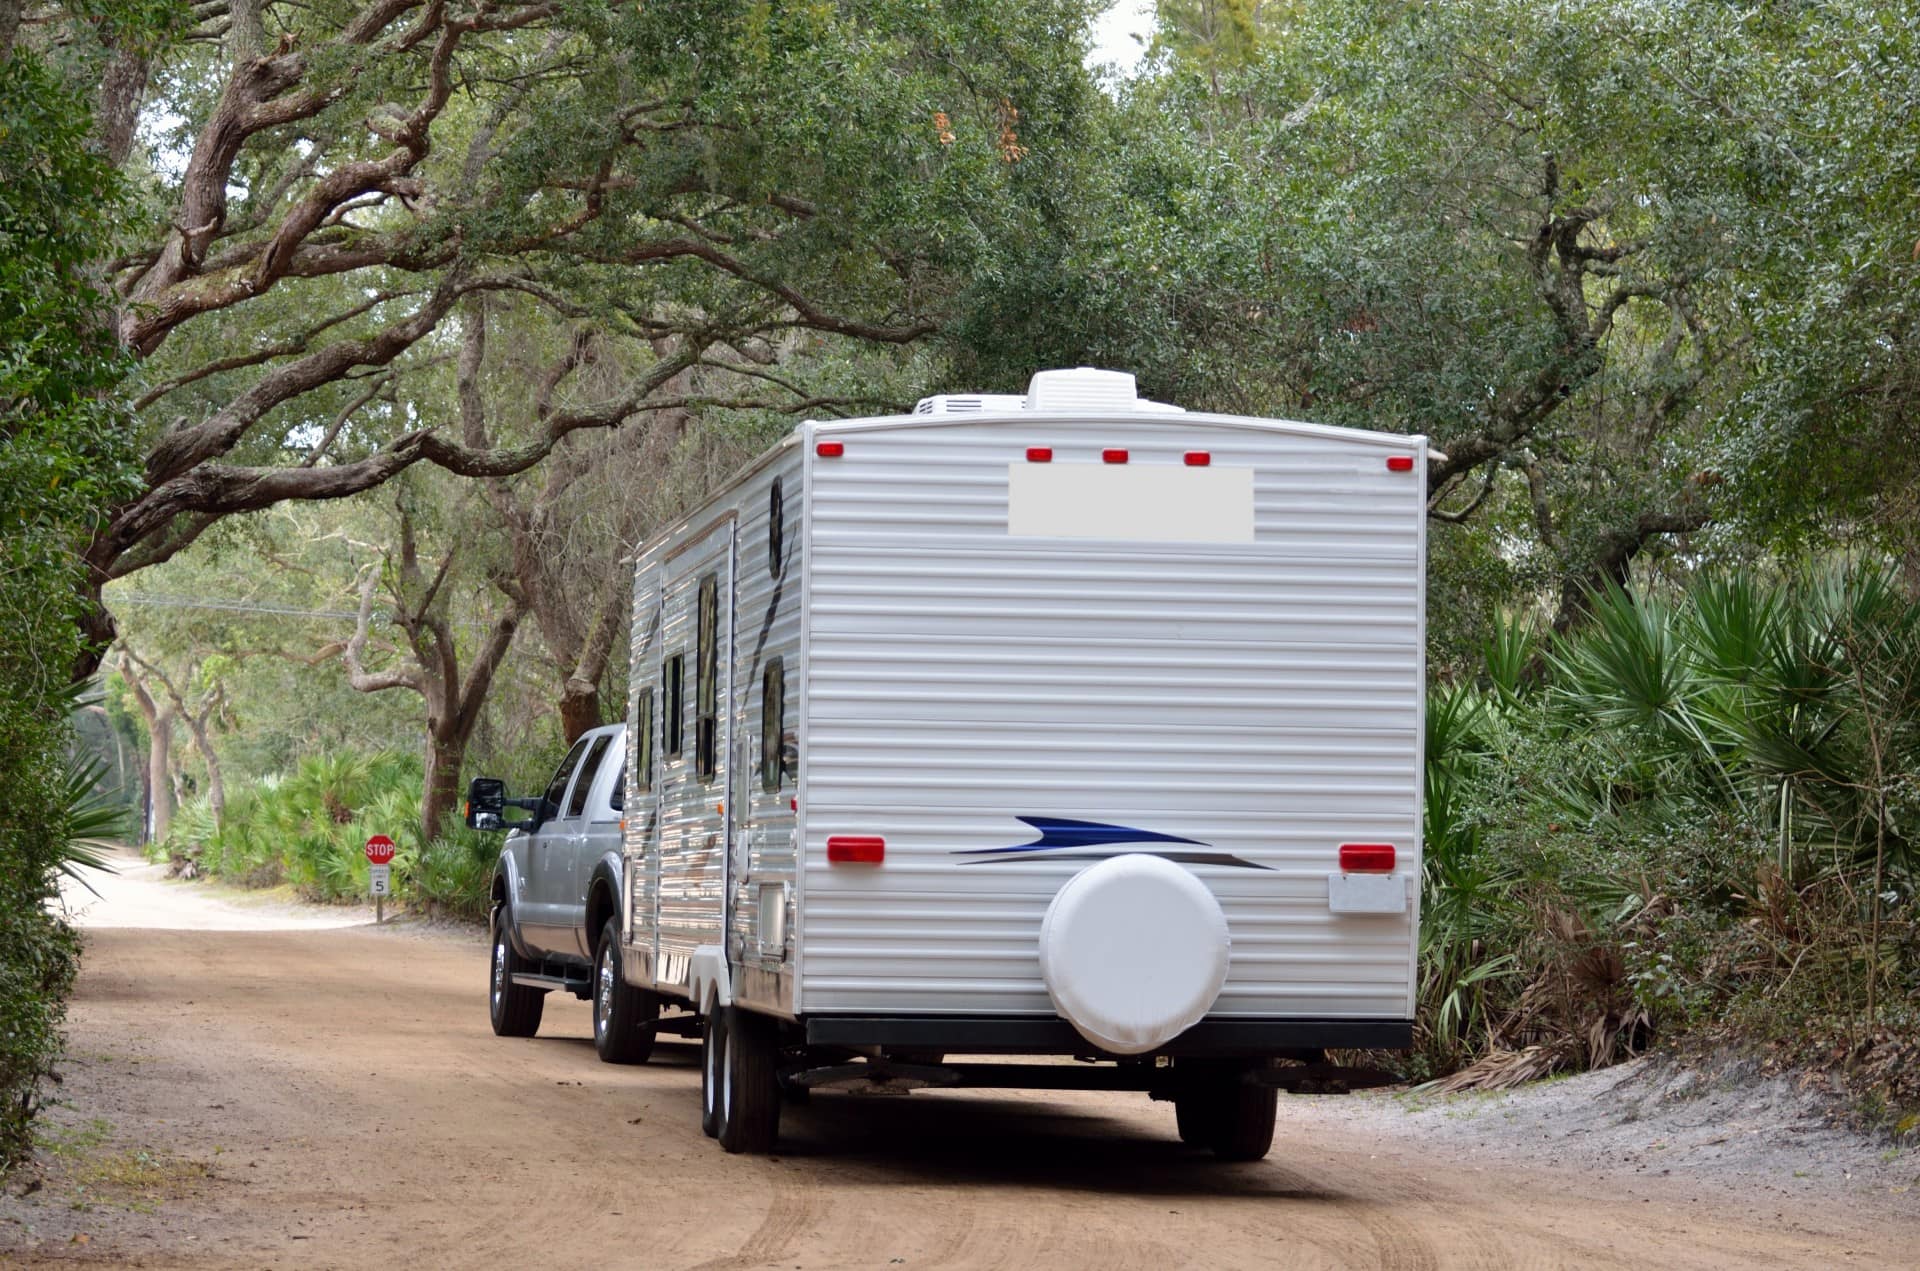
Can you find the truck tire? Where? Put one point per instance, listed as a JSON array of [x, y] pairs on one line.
[[713, 1045], [748, 1103], [623, 1015], [514, 1008]]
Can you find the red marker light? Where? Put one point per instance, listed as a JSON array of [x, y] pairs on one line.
[[1198, 458], [1113, 456], [830, 449], [1366, 858], [1399, 463], [793, 805], [1039, 454], [856, 849]]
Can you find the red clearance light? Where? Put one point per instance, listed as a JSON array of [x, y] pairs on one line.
[[830, 449], [1198, 458], [1039, 454], [856, 849], [793, 805], [1366, 858], [1113, 456], [1399, 463]]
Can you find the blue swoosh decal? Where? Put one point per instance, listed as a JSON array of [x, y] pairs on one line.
[[1058, 832]]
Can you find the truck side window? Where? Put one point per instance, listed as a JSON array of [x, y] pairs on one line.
[[617, 797], [706, 702], [773, 723], [643, 742], [588, 771], [557, 788], [672, 705]]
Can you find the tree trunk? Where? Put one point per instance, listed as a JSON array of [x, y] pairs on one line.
[[445, 755], [579, 709], [160, 771]]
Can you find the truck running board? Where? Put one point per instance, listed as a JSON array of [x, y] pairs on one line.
[[579, 986]]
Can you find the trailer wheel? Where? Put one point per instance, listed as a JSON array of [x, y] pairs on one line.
[[713, 1045], [622, 1014], [514, 1008], [1219, 1108], [1194, 1115], [749, 1098]]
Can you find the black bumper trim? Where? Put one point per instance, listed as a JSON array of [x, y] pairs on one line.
[[1051, 1035]]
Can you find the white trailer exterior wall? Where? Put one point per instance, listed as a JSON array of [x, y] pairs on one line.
[[1260, 701]]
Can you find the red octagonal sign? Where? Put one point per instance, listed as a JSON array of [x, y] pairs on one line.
[[379, 850]]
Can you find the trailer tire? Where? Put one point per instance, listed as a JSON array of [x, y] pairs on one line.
[[1243, 1126], [748, 1106], [623, 1015], [1219, 1108], [514, 1009], [713, 1045]]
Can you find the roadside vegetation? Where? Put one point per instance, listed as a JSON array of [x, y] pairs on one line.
[[1693, 817], [349, 350]]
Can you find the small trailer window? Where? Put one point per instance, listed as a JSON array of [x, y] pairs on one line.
[[706, 702], [776, 528], [643, 741], [773, 724], [672, 705]]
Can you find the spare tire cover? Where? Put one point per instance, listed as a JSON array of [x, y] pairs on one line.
[[1133, 952]]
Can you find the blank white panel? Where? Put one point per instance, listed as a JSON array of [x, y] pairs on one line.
[[1156, 503]]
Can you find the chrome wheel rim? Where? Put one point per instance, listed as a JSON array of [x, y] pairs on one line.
[[726, 1081], [499, 969], [603, 998]]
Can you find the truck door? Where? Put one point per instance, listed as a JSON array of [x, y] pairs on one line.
[[571, 859], [539, 909]]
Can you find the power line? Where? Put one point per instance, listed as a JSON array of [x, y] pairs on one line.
[[162, 600]]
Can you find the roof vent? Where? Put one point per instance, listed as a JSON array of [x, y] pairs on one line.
[[1082, 389], [968, 404]]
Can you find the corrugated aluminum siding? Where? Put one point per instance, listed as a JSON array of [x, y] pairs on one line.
[[1263, 699]]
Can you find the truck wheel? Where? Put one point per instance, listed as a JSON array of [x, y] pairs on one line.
[[713, 1044], [748, 1106], [514, 1008], [622, 1014]]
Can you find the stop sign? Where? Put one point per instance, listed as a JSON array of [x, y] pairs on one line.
[[379, 850]]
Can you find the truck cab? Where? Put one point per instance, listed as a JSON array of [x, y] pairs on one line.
[[556, 892]]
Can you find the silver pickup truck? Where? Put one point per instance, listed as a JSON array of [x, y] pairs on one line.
[[556, 899]]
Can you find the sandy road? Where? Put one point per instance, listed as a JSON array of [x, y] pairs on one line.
[[322, 1098]]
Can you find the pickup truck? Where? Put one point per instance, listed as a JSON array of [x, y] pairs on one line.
[[555, 914]]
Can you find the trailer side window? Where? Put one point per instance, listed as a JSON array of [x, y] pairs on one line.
[[776, 528], [672, 705], [773, 724], [706, 702], [643, 741]]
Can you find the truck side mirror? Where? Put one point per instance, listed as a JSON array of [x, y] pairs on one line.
[[486, 804]]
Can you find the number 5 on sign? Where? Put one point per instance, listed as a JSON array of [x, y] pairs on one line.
[[380, 874]]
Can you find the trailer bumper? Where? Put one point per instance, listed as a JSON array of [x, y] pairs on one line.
[[1051, 1035]]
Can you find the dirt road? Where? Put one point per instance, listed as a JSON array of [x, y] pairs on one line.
[[323, 1098]]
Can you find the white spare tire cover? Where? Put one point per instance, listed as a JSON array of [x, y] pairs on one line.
[[1133, 952]]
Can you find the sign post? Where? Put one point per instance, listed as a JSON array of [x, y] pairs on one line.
[[379, 874]]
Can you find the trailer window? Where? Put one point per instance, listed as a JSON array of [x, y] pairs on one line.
[[643, 741], [773, 724], [672, 705], [776, 528], [706, 702]]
